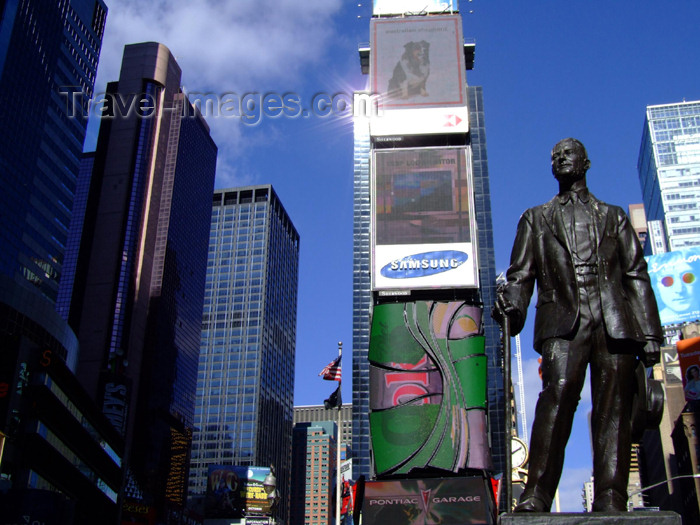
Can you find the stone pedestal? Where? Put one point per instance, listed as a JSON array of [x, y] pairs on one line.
[[595, 518]]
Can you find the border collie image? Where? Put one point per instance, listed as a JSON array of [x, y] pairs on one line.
[[411, 72]]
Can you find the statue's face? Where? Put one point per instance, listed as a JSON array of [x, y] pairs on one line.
[[569, 161]]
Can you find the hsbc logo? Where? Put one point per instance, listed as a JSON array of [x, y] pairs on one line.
[[452, 120]]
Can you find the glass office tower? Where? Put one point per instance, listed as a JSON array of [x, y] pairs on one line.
[[487, 276], [669, 171], [361, 303], [140, 272], [48, 50], [245, 383], [362, 297]]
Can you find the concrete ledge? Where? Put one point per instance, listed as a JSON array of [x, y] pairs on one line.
[[597, 518]]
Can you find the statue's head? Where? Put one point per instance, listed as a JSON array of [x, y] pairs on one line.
[[569, 161]]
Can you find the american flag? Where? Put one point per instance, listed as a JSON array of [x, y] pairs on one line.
[[332, 372]]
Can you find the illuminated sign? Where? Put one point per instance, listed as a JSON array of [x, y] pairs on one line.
[[447, 501], [420, 121], [689, 357], [423, 264], [236, 492], [423, 228], [399, 7], [674, 279], [427, 388], [114, 405], [417, 62]]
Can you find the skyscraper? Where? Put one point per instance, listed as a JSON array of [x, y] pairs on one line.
[[313, 463], [48, 49], [669, 171], [361, 304], [51, 434], [487, 275], [245, 382], [362, 295], [139, 279]]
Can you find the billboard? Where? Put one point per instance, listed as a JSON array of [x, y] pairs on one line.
[[235, 492], [443, 501], [399, 7], [417, 62], [674, 279], [420, 121], [427, 388], [423, 225], [689, 357]]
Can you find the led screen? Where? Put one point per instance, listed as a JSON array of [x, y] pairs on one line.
[[397, 7], [427, 388], [236, 492], [417, 62], [423, 225], [674, 278], [444, 501]]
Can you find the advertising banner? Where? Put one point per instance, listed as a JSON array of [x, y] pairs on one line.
[[417, 62], [452, 501], [671, 365], [423, 226], [399, 7], [427, 388], [421, 121], [235, 492], [689, 357], [674, 278]]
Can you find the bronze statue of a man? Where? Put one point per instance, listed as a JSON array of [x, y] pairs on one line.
[[595, 306]]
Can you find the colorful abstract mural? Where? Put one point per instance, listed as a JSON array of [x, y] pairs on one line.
[[427, 388]]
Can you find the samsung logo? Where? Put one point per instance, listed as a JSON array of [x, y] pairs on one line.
[[424, 264]]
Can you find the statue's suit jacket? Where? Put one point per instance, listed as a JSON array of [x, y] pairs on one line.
[[542, 252]]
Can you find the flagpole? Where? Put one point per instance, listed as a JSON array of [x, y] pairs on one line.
[[338, 489]]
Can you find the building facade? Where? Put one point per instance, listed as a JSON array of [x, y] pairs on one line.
[[313, 466], [362, 295], [140, 271], [48, 50], [60, 459], [245, 380], [669, 171], [314, 413], [361, 302]]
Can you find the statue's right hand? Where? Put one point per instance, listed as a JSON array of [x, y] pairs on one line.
[[502, 308]]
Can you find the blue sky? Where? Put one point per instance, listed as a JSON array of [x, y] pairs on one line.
[[549, 69]]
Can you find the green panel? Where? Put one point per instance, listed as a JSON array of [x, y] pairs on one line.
[[449, 336], [390, 341], [472, 377], [470, 346], [398, 433]]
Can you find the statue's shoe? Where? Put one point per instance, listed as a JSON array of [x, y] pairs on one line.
[[531, 504]]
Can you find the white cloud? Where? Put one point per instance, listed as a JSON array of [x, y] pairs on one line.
[[221, 46]]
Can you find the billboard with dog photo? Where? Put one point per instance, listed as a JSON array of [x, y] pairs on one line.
[[422, 220], [417, 62]]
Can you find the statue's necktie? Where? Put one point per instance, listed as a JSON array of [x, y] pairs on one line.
[[582, 229]]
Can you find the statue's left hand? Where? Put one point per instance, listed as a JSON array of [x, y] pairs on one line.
[[652, 353]]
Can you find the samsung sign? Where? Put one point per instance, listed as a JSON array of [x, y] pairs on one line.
[[416, 266], [424, 264]]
